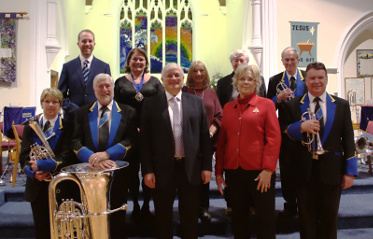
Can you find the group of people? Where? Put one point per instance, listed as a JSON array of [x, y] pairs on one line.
[[171, 131]]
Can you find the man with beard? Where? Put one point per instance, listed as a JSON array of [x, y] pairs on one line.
[[104, 132]]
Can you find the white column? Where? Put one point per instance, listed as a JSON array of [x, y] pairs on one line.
[[269, 39], [52, 46], [256, 46], [40, 21]]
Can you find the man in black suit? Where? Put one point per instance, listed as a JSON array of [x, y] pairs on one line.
[[293, 79], [225, 91], [76, 80], [100, 148], [175, 152], [321, 175]]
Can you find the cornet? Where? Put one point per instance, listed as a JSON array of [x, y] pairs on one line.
[[281, 86], [310, 138]]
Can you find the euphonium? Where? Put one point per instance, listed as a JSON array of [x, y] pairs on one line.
[[44, 151], [310, 138], [88, 219], [281, 86]]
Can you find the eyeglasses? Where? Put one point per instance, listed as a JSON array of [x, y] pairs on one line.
[[250, 80], [49, 102]]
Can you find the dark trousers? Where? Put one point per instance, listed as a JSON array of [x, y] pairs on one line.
[[118, 196], [288, 183], [40, 212], [205, 197], [242, 189], [318, 209], [134, 183], [189, 202]]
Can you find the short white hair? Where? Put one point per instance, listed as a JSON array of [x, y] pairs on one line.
[[238, 53], [289, 48], [100, 77], [169, 66]]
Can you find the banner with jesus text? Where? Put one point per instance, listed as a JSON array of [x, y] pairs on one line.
[[304, 39]]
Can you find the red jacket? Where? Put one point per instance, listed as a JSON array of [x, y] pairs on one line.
[[251, 139]]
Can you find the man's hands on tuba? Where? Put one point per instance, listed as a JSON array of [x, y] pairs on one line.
[[101, 160]]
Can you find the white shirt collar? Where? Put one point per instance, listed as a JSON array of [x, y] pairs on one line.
[[82, 59], [322, 97], [110, 106], [51, 121], [169, 96], [295, 75]]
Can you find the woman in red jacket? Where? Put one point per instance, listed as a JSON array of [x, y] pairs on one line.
[[247, 152]]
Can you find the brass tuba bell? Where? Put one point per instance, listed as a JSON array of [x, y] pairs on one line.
[[88, 219]]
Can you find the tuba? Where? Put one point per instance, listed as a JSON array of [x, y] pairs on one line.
[[89, 218], [310, 138], [363, 145]]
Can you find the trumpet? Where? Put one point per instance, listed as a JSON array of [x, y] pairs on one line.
[[281, 86], [310, 138]]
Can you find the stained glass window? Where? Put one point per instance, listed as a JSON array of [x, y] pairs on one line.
[[163, 28]]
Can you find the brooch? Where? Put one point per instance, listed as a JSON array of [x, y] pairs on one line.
[[256, 110]]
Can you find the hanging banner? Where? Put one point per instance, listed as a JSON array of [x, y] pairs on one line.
[[304, 39], [7, 49]]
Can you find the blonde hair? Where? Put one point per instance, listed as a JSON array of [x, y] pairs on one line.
[[54, 92], [190, 81], [242, 70]]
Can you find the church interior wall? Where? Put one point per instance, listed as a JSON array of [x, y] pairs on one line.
[[334, 16], [219, 31], [17, 93]]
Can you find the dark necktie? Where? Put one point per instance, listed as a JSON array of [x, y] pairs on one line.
[[292, 83], [178, 130], [47, 130], [103, 129], [319, 115], [85, 71], [47, 125]]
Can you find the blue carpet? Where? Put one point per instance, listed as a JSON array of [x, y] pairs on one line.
[[355, 214]]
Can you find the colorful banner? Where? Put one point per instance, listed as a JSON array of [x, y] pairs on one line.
[[7, 50], [304, 39]]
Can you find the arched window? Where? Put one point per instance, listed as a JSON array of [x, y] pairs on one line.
[[162, 27]]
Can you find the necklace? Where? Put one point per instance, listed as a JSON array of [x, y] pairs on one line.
[[203, 92], [139, 97]]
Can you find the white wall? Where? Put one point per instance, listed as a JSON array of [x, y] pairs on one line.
[[334, 16], [17, 93]]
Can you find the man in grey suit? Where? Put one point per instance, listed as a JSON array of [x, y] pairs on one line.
[[176, 152], [76, 81]]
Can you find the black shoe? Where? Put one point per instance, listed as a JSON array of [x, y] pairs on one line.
[[205, 216]]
